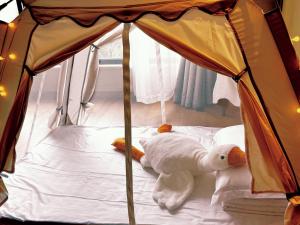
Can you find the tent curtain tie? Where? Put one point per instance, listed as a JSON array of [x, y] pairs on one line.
[[87, 105], [239, 76], [95, 46], [294, 195], [58, 109], [29, 71]]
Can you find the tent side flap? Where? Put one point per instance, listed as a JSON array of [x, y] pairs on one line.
[[290, 15], [14, 124], [270, 171], [15, 48], [206, 48], [270, 80], [3, 30], [46, 50], [285, 47]]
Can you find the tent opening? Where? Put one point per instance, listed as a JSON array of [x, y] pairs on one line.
[[165, 112]]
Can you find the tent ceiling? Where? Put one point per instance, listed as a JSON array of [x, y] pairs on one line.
[[45, 11]]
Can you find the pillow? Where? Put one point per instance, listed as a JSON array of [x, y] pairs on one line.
[[235, 183], [231, 135]]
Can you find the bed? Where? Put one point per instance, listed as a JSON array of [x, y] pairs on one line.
[[74, 175]]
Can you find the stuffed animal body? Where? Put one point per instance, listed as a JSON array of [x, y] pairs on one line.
[[166, 153], [178, 159]]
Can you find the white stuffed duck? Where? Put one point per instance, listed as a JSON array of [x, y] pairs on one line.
[[177, 159]]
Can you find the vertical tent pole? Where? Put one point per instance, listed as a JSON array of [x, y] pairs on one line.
[[127, 117], [160, 74], [43, 75]]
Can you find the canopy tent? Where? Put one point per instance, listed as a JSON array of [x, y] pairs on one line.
[[244, 39]]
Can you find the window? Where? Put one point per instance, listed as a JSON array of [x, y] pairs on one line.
[[111, 53]]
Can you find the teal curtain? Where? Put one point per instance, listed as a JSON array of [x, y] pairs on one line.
[[194, 86]]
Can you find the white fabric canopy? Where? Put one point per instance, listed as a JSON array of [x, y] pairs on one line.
[[147, 84]]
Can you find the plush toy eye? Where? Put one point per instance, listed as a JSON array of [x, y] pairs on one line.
[[222, 157]]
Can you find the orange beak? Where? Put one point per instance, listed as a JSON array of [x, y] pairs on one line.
[[236, 157]]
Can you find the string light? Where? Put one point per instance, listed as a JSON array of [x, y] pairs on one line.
[[11, 25], [296, 39], [298, 110], [3, 93], [12, 56]]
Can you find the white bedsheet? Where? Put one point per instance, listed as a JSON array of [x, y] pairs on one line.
[[73, 175]]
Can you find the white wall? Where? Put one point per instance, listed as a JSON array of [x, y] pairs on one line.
[[110, 79]]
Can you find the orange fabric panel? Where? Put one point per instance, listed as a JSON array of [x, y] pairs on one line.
[[285, 47], [3, 192], [14, 124], [266, 5], [292, 214], [268, 165], [290, 13], [16, 41], [270, 79], [204, 39], [46, 49], [3, 29], [87, 11]]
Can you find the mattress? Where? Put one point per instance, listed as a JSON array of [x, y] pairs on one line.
[[74, 175]]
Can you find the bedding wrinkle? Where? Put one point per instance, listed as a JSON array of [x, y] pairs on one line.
[[47, 187]]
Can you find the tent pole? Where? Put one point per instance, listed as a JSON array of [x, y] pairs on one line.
[[160, 74], [127, 118]]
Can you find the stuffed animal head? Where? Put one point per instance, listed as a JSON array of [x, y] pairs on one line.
[[224, 156]]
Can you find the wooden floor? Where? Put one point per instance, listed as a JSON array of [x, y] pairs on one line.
[[108, 110]]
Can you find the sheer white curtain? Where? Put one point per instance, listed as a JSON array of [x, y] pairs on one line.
[[148, 86]]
